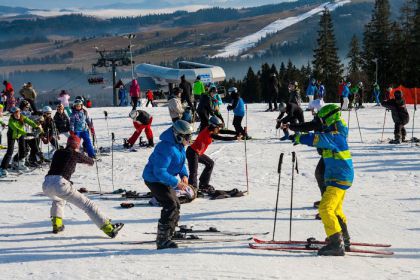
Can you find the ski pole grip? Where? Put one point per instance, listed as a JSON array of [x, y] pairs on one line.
[[106, 114], [112, 136], [280, 163], [293, 156]]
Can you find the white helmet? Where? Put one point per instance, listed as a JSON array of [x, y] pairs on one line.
[[233, 90], [182, 130], [133, 114], [47, 109]]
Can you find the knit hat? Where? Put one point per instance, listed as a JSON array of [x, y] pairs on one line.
[[73, 142]]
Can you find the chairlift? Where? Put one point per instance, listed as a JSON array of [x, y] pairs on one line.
[[95, 78]]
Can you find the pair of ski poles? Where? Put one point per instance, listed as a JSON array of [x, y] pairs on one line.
[[279, 168], [358, 124]]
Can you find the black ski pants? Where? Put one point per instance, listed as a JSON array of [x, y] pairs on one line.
[[134, 101], [272, 99], [193, 160], [167, 198], [33, 145], [237, 124], [399, 131], [10, 146], [204, 120], [319, 175]]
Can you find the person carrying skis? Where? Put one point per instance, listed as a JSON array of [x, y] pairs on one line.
[[273, 92], [198, 90], [345, 94], [174, 104], [195, 153], [16, 132], [376, 93], [60, 189], [294, 114], [165, 164], [311, 90], [64, 98], [400, 116], [238, 107], [134, 93], [80, 124], [149, 96], [61, 121], [338, 176], [205, 108], [141, 120], [29, 94]]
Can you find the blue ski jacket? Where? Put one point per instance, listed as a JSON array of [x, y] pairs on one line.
[[239, 110], [80, 120], [311, 90], [346, 91]]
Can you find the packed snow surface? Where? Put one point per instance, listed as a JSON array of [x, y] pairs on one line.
[[245, 43], [382, 206]]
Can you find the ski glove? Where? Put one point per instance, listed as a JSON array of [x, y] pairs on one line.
[[229, 107], [295, 138]]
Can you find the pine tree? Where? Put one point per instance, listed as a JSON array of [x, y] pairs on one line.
[[355, 60], [251, 90], [264, 80], [326, 63], [413, 64]]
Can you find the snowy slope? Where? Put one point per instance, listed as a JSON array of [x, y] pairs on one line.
[[237, 47], [382, 206]]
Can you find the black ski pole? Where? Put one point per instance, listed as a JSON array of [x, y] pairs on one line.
[[112, 159], [358, 124], [227, 125], [414, 115], [246, 157], [278, 190], [106, 119], [383, 127], [294, 166]]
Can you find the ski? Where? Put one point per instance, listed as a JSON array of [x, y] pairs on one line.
[[188, 241], [84, 190], [214, 230], [7, 180], [310, 241], [315, 248]]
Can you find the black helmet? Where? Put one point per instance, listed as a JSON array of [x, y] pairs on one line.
[[233, 90], [24, 104], [215, 122]]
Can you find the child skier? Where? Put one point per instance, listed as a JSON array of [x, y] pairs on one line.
[[195, 153], [160, 175], [141, 120], [80, 123], [400, 116], [217, 103], [294, 115], [59, 188], [238, 107], [338, 176], [149, 96]]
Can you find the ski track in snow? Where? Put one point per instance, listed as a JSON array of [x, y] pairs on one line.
[[245, 43], [382, 206]]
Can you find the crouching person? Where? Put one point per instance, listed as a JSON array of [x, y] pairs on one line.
[[141, 120], [160, 175], [59, 188]]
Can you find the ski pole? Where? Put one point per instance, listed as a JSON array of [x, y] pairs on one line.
[[414, 115], [278, 190], [360, 132], [96, 161], [227, 127], [246, 157], [106, 119], [294, 166], [112, 159], [383, 127]]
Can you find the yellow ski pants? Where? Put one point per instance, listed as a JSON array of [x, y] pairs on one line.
[[330, 207]]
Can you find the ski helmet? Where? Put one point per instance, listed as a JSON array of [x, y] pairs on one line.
[[282, 107], [133, 114], [215, 122], [14, 109], [360, 84], [182, 130], [329, 114], [77, 102], [398, 94], [24, 104], [232, 90], [46, 110]]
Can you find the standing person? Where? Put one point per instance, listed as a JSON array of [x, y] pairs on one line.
[[273, 92], [321, 91], [134, 93], [294, 115], [60, 189], [338, 176], [48, 126], [64, 98], [400, 116], [376, 93], [62, 121], [186, 92], [80, 124], [205, 108], [340, 91], [238, 107], [29, 94], [195, 154], [198, 90], [122, 93], [217, 103], [149, 96], [360, 96], [294, 93], [141, 120], [354, 90], [174, 104], [3, 125], [311, 90], [345, 94], [9, 93], [165, 164], [16, 132]]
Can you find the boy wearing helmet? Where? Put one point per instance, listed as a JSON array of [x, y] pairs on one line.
[[141, 120], [80, 123], [294, 115], [400, 116], [165, 165], [195, 153], [338, 176]]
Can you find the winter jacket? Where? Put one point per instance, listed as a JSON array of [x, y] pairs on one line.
[[18, 126], [346, 92], [341, 88], [80, 120], [198, 88], [293, 112], [217, 100], [28, 93], [49, 127], [295, 97], [311, 90], [205, 106], [175, 107], [122, 93], [64, 162], [335, 153], [64, 99], [321, 91], [354, 90], [273, 87], [135, 89], [143, 117], [62, 122], [238, 106], [186, 91], [149, 95], [166, 162], [398, 110]]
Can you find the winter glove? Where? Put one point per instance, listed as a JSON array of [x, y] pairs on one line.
[[295, 138], [229, 107]]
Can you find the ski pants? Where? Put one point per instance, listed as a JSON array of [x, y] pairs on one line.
[[319, 175], [237, 124], [86, 142], [193, 160], [61, 191], [345, 103], [272, 101], [377, 98], [399, 131], [10, 147], [169, 216], [134, 101], [196, 100], [331, 210], [33, 145], [311, 98], [139, 129]]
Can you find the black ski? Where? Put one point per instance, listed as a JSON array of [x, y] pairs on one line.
[[188, 241], [7, 180], [185, 230]]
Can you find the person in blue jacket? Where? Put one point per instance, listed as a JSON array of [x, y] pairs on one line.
[[80, 124], [346, 94], [321, 90], [311, 90], [338, 176], [160, 175], [238, 107], [376, 93]]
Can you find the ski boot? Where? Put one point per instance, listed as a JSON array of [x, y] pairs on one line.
[[346, 235], [163, 240], [127, 145], [285, 137], [57, 224], [334, 247], [150, 144], [395, 141], [112, 229], [3, 173], [20, 166]]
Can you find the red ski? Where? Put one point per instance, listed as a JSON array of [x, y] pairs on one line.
[[316, 242], [299, 248]]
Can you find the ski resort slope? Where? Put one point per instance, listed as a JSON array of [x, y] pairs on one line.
[[382, 207], [238, 47]]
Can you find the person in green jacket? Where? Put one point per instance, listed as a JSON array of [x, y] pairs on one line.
[[198, 89], [354, 90], [16, 132]]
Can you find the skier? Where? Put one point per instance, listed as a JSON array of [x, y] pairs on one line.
[[321, 91], [29, 94], [273, 92], [174, 104], [50, 132], [195, 153], [16, 132], [354, 91], [360, 96], [186, 92], [141, 120], [311, 90], [134, 93], [166, 162], [9, 93], [198, 90], [338, 176], [345, 94], [376, 93], [62, 121], [216, 103], [400, 116], [238, 107], [60, 189], [80, 123], [64, 98], [294, 93], [294, 115], [340, 92], [205, 108], [149, 96]]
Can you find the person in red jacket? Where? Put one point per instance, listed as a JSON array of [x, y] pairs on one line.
[[340, 91], [141, 120], [134, 93], [149, 96], [195, 153]]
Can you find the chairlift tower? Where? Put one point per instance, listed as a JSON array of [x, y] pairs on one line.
[[114, 59]]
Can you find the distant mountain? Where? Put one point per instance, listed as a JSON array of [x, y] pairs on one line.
[[13, 10]]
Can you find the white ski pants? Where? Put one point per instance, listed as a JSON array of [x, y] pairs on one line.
[[311, 98], [61, 191], [345, 103]]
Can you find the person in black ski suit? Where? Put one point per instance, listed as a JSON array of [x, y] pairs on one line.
[[294, 115], [400, 116], [273, 92], [205, 108], [62, 121], [186, 92]]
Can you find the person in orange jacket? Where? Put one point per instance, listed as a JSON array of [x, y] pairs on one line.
[[149, 96]]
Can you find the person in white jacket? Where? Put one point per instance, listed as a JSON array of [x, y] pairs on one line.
[[174, 105]]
